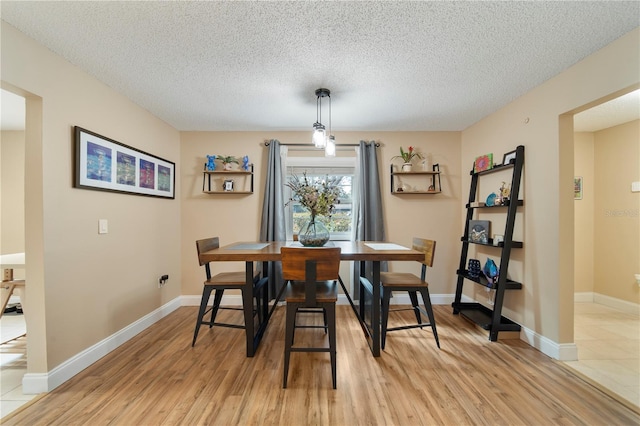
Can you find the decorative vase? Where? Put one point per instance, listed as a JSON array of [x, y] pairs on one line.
[[406, 167], [313, 233]]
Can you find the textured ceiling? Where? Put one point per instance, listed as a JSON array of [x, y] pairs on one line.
[[389, 65]]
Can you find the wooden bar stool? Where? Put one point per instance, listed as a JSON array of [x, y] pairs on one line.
[[398, 281], [310, 275], [221, 282]]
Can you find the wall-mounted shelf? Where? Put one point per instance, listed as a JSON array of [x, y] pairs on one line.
[[428, 179], [219, 180]]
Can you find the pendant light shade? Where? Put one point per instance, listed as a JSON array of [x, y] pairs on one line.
[[319, 129], [330, 149], [319, 135]]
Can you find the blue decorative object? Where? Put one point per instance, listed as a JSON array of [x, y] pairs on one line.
[[474, 268], [211, 163], [490, 272], [245, 163], [491, 199]]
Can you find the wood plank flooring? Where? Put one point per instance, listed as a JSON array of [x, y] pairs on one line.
[[158, 379]]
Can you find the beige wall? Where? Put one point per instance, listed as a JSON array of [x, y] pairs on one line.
[[617, 212], [83, 287], [583, 226], [12, 192], [545, 264], [237, 217]]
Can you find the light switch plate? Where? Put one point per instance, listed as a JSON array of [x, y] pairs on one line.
[[635, 186], [103, 226]]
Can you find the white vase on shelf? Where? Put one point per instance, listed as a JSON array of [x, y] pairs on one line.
[[406, 167]]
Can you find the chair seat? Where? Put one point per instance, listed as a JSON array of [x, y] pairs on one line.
[[401, 279], [230, 279], [326, 292]]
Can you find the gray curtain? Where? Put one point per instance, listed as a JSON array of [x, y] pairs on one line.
[[272, 227], [368, 216]]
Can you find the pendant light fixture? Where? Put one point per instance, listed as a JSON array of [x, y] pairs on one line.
[[319, 130]]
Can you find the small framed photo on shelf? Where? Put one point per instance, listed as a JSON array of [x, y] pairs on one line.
[[228, 185], [482, 163], [509, 157], [479, 231], [577, 188]]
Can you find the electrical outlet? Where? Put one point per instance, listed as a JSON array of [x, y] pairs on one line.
[[162, 280]]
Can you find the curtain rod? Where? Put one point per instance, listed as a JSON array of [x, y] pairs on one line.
[[267, 143]]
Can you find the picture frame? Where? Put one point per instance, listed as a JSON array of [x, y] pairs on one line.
[[103, 164], [228, 185], [577, 188], [479, 231], [508, 157], [482, 163]]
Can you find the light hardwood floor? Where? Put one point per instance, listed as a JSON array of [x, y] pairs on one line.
[[157, 378]]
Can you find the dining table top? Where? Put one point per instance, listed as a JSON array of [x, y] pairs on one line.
[[12, 261], [350, 250]]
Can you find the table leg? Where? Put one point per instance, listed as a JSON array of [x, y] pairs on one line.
[[375, 307], [247, 303]]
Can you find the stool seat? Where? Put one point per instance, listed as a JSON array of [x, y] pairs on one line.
[[401, 279], [326, 292], [229, 279]]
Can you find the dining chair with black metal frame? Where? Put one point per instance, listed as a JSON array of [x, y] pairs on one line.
[[225, 281], [310, 275], [411, 283]]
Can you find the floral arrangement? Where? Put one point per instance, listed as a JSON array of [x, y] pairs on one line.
[[408, 155], [317, 196]]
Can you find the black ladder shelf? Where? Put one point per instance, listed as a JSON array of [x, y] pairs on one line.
[[487, 318]]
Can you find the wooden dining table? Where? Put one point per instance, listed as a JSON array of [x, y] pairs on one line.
[[366, 252]]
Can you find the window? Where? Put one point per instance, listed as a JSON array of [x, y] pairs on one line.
[[318, 169]]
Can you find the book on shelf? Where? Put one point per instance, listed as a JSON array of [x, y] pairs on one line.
[[477, 204]]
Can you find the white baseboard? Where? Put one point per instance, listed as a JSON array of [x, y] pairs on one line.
[[559, 351], [619, 304], [586, 297], [33, 383]]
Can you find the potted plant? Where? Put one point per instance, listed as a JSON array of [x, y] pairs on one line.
[[227, 160], [407, 156]]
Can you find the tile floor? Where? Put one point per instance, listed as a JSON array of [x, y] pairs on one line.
[[608, 344], [13, 363], [608, 351]]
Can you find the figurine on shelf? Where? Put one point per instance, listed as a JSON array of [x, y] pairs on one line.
[[245, 163], [211, 163], [505, 192]]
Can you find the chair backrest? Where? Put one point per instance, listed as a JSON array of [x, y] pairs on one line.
[[206, 245], [294, 262], [428, 247]]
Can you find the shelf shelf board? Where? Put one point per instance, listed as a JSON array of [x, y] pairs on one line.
[[514, 244], [227, 172], [520, 203], [227, 192], [497, 168], [482, 280], [415, 192], [422, 172], [482, 316]]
